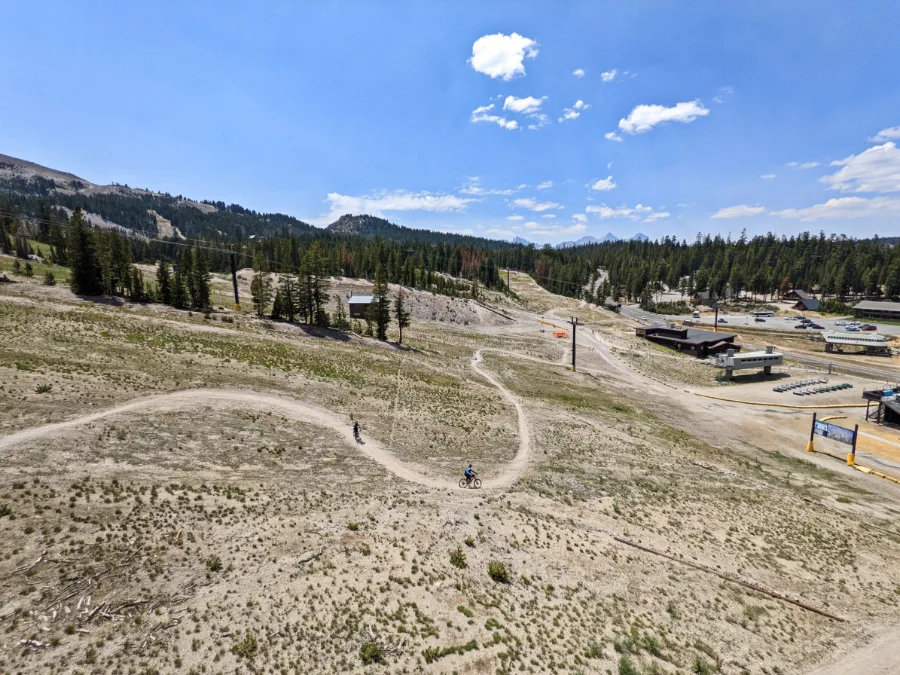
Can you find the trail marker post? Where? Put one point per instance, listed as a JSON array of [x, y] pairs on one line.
[[812, 434], [851, 457]]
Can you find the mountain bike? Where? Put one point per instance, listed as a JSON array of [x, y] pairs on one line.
[[471, 483]]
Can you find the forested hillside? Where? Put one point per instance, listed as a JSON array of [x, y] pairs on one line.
[[39, 201]]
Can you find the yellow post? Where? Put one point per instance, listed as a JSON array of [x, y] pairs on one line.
[[237, 307], [812, 435], [851, 459]]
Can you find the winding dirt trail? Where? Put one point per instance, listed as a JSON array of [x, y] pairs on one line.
[[301, 412]]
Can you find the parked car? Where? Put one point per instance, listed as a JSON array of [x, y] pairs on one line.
[[840, 323], [722, 321], [800, 325], [759, 319], [815, 325], [868, 326], [851, 329], [643, 318], [853, 323]]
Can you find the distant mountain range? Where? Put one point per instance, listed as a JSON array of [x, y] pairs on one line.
[[610, 237]]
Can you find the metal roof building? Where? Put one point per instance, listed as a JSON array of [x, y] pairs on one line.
[[874, 309], [694, 341], [359, 305], [871, 343]]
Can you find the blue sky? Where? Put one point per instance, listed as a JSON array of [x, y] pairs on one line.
[[711, 117]]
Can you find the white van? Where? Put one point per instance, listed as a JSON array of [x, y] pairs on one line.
[[696, 314]]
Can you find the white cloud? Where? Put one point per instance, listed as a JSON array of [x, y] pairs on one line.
[[604, 184], [805, 165], [613, 136], [874, 170], [580, 217], [526, 105], [847, 208], [575, 111], [609, 75], [549, 215], [738, 211], [546, 184], [473, 187], [515, 217], [398, 200], [502, 55], [576, 228], [578, 72], [534, 205], [480, 115], [531, 225], [889, 134], [769, 176], [638, 212], [723, 92], [644, 117]]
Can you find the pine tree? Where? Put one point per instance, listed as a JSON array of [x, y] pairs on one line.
[[85, 278], [401, 314], [340, 314], [277, 307], [164, 282], [179, 291], [288, 295], [379, 312], [200, 277], [137, 285]]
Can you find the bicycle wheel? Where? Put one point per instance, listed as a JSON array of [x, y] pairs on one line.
[[462, 482], [476, 483]]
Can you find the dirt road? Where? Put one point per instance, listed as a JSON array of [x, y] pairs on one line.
[[302, 412]]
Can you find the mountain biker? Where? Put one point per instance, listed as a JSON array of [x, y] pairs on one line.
[[356, 430], [470, 473]]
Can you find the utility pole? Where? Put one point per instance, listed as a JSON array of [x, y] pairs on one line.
[[574, 323], [237, 301], [716, 320]]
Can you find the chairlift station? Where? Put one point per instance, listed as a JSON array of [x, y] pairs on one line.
[[732, 361]]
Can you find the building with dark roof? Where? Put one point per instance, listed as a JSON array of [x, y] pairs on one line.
[[874, 309], [804, 303], [694, 341]]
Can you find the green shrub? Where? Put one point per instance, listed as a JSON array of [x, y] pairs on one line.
[[432, 654], [458, 558], [214, 563], [498, 572], [5, 510], [49, 278], [246, 648], [371, 653], [353, 527], [594, 651], [462, 609], [471, 542], [627, 667], [44, 388]]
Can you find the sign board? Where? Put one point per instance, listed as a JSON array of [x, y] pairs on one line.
[[834, 432]]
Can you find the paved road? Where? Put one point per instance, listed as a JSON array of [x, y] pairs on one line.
[[738, 320], [887, 374]]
